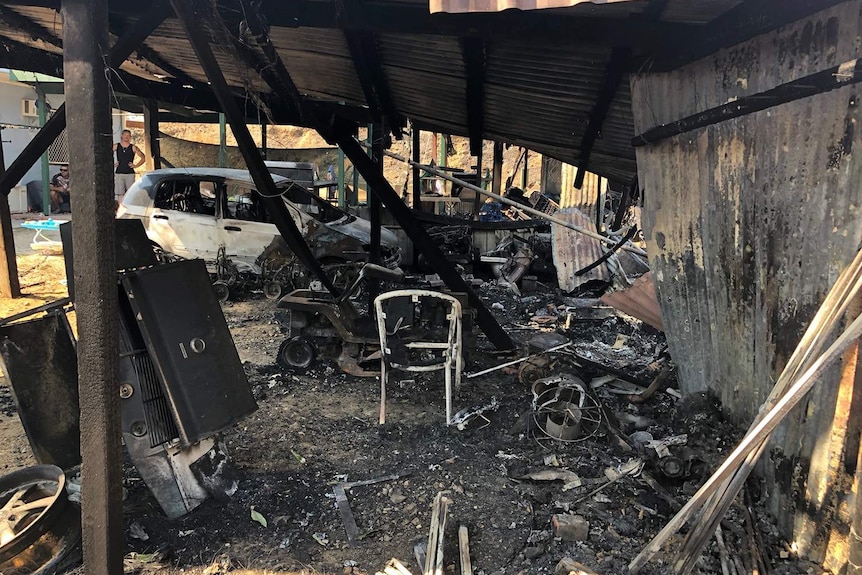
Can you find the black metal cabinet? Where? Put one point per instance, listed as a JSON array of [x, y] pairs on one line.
[[190, 346]]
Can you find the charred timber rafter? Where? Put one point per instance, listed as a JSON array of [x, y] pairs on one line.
[[189, 13], [827, 80], [473, 51], [271, 69], [613, 77], [402, 214], [36, 31], [150, 55], [369, 69], [57, 123]]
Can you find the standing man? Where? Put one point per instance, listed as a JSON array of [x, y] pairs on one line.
[[127, 157]]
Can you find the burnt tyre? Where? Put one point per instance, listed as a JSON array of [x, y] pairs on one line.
[[296, 354], [222, 291]]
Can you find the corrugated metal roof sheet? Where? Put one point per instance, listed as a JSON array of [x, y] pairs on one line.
[[538, 92]]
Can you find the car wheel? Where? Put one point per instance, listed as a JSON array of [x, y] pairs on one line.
[[222, 291], [296, 353], [31, 499], [272, 290]]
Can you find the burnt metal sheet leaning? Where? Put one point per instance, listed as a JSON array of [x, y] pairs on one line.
[[574, 251], [39, 358]]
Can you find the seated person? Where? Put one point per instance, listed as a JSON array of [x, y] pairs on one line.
[[60, 191]]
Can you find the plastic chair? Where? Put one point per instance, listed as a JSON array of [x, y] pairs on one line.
[[403, 335]]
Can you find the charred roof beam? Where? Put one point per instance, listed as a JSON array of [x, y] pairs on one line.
[[613, 76], [369, 69], [36, 31], [118, 29], [473, 50]]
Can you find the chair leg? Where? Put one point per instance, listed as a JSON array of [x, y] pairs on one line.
[[448, 370], [383, 376]]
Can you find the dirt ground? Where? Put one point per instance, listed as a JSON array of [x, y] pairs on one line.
[[314, 429]]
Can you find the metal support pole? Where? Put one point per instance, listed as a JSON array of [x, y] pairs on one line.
[[442, 158], [497, 177], [342, 198], [9, 284], [151, 135], [417, 174], [222, 141], [42, 107], [421, 240], [187, 12], [524, 173], [85, 43]]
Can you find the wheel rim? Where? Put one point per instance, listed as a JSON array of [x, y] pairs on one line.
[[30, 501], [297, 353], [272, 290], [222, 291]]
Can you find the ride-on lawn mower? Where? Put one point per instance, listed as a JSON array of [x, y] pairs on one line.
[[321, 324]]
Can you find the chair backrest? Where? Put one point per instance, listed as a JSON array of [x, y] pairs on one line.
[[418, 327]]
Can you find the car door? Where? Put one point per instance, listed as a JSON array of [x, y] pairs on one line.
[[183, 217], [245, 227]]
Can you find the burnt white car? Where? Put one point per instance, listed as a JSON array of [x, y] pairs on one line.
[[217, 214]]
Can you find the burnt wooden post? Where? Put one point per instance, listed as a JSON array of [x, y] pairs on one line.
[[497, 176], [85, 45], [151, 135], [376, 135], [421, 240], [9, 284], [477, 200], [190, 15]]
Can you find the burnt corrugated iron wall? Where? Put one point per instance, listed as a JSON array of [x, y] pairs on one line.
[[748, 223]]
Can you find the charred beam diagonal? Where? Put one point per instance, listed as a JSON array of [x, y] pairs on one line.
[[613, 77], [272, 71], [190, 14], [436, 259], [147, 53], [366, 60], [36, 31], [827, 80], [57, 123], [473, 52]]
